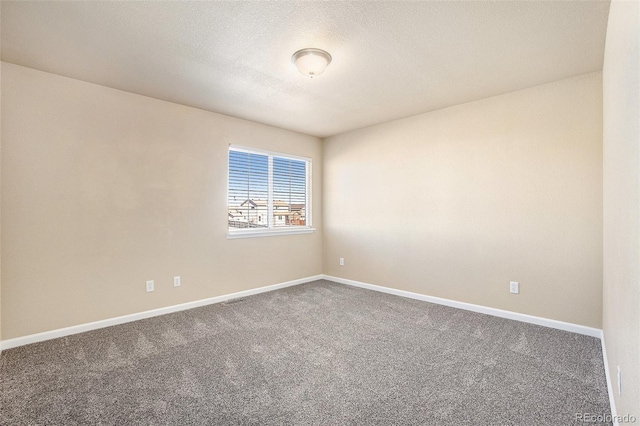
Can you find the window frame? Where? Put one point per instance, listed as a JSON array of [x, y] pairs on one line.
[[271, 230]]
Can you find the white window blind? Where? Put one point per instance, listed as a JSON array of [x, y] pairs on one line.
[[267, 191]]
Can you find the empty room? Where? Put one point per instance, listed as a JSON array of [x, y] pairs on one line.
[[320, 212]]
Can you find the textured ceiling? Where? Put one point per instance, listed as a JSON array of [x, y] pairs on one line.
[[390, 59]]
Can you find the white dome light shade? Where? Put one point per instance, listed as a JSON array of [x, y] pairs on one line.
[[311, 62]]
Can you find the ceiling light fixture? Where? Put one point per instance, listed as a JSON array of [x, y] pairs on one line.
[[311, 62]]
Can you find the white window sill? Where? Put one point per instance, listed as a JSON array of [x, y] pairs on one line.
[[252, 233]]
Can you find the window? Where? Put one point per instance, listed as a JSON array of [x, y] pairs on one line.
[[269, 193]]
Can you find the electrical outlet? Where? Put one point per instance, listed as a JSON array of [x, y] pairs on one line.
[[176, 281], [342, 261], [150, 286], [619, 382], [514, 287]]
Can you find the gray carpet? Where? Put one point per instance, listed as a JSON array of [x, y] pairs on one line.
[[315, 354]]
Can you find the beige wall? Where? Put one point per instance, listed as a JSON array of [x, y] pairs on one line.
[[621, 313], [104, 189], [0, 203], [456, 203]]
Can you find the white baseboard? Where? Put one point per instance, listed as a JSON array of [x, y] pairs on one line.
[[53, 334], [81, 328], [612, 402], [560, 325]]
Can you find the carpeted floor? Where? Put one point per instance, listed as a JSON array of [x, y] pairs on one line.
[[315, 354]]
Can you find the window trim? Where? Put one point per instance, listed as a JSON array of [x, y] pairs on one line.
[[273, 231]]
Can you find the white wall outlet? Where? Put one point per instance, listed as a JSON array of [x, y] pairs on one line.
[[514, 287], [150, 286], [176, 281], [619, 382], [342, 261]]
